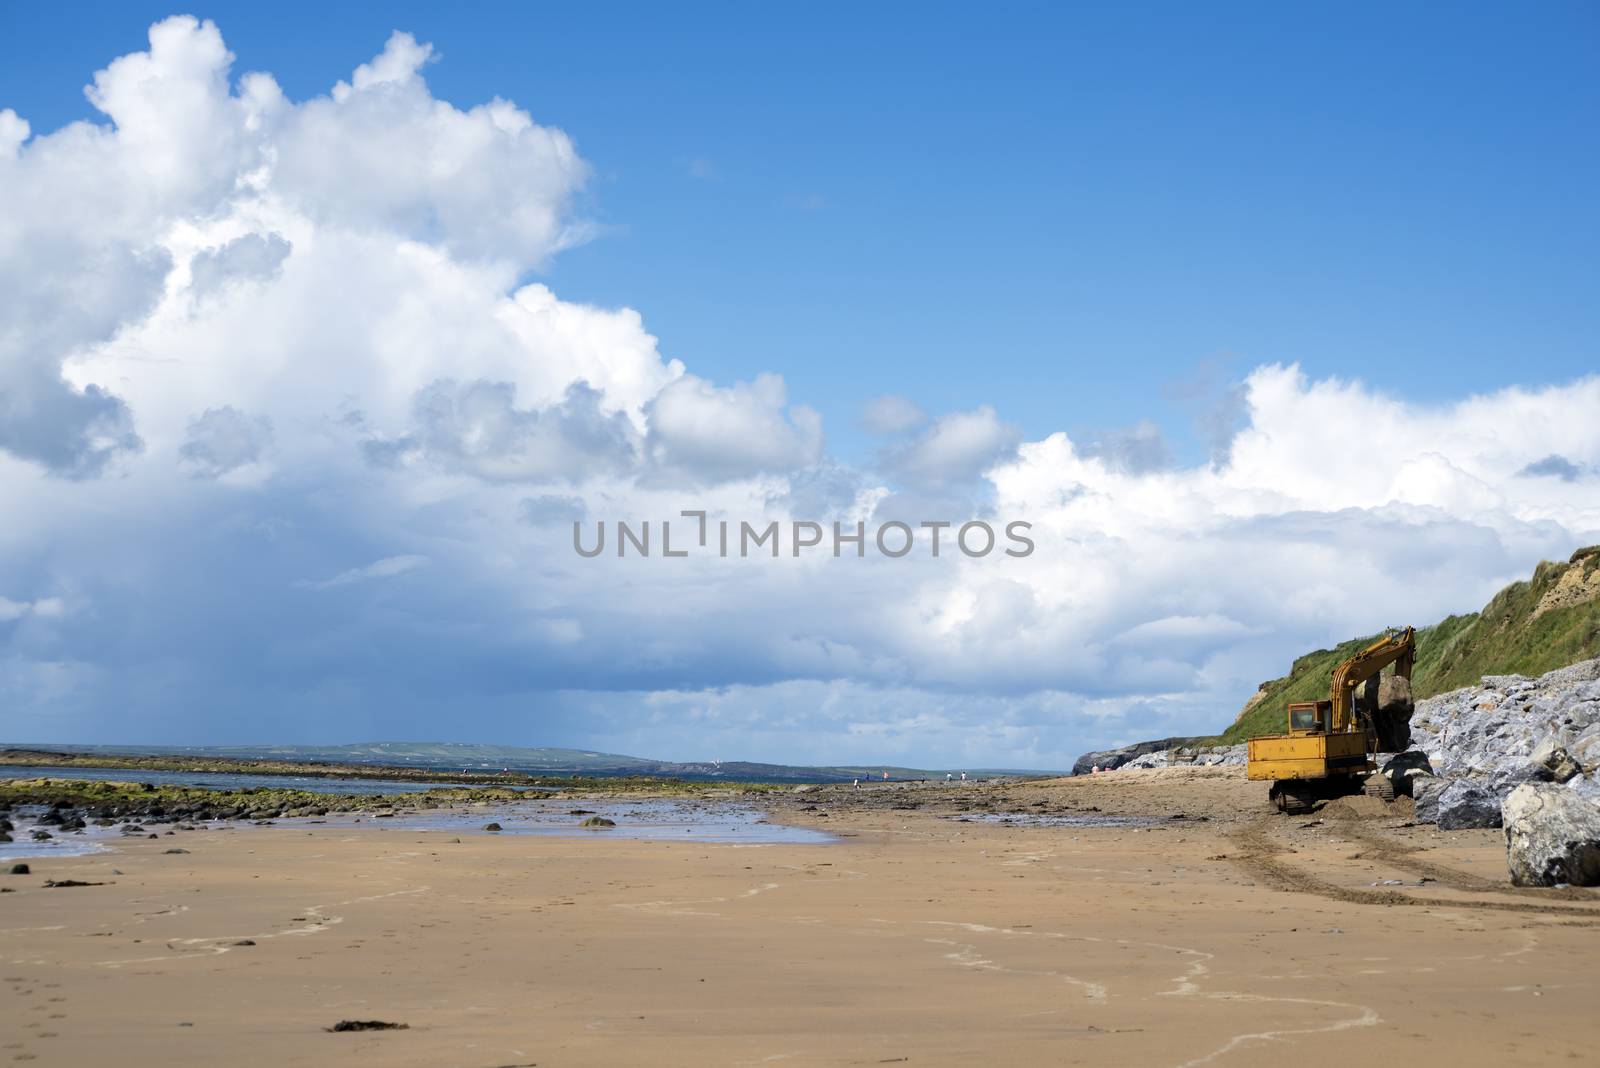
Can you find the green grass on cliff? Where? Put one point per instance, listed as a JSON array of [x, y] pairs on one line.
[[1502, 639]]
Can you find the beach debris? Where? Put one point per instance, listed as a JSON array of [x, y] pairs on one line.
[[20, 869], [1552, 837], [493, 827], [599, 822], [367, 1025], [580, 812], [245, 942], [170, 852], [57, 883]]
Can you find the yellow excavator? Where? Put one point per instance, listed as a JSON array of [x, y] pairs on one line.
[[1330, 744]]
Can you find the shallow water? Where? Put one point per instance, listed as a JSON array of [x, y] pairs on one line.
[[68, 844], [655, 820], [218, 780], [685, 821]]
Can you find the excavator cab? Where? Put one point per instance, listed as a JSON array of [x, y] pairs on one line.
[[1309, 717]]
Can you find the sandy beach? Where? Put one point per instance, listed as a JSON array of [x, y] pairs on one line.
[[932, 931]]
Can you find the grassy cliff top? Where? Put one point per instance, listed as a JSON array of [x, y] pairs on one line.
[[1528, 628]]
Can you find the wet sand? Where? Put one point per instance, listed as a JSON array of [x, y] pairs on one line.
[[1225, 937]]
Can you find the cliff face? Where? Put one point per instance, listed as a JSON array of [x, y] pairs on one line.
[[1528, 628]]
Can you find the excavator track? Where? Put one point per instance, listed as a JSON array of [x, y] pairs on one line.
[[1293, 797], [1379, 785]]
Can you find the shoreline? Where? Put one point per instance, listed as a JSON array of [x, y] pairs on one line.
[[47, 759]]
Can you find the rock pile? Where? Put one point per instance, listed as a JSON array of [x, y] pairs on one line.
[[1484, 741]]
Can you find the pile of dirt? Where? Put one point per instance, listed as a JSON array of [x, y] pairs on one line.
[[1362, 807]]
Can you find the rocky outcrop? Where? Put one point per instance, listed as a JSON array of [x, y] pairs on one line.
[[1552, 836], [1107, 759], [1576, 585], [1191, 756], [1507, 731]]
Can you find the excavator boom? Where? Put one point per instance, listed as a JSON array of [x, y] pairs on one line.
[[1398, 648]]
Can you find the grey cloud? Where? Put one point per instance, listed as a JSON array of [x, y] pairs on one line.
[[1219, 405], [955, 504], [477, 429], [892, 414], [826, 489], [954, 449], [1134, 450], [387, 452], [550, 509], [223, 439], [73, 434], [251, 258], [1552, 467], [59, 300], [1221, 421]]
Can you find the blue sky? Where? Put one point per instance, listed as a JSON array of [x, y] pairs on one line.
[[1060, 210], [1276, 321]]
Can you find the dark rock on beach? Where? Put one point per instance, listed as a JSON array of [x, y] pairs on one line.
[[1466, 804]]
